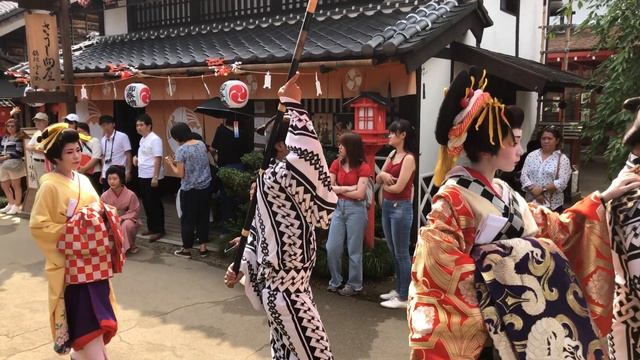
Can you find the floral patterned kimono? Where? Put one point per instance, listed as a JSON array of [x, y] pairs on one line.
[[540, 287]]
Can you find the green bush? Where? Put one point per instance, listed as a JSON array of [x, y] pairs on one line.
[[252, 161], [3, 201], [236, 182]]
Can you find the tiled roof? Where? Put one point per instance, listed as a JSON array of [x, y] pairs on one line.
[[528, 74], [8, 9], [380, 30], [584, 39]]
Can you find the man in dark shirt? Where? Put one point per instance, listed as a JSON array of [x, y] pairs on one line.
[[227, 149], [227, 146]]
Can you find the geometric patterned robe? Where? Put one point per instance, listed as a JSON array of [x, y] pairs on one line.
[[448, 312], [293, 197], [624, 217]]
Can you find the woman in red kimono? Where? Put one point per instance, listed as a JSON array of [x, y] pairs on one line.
[[127, 204], [490, 266]]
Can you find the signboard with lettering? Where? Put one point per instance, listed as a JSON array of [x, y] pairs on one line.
[[42, 47]]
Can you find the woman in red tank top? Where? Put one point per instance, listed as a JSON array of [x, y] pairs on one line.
[[349, 177], [396, 178]]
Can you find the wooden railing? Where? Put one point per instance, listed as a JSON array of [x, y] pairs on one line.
[[161, 13]]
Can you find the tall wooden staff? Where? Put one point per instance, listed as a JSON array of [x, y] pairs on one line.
[[268, 152]]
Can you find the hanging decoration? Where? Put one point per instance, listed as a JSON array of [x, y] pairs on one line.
[[237, 95], [267, 80], [234, 94], [120, 71], [318, 86], [137, 95], [206, 87], [86, 3], [218, 67], [171, 86], [21, 77], [83, 93]]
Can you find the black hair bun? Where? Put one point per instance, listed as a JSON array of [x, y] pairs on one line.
[[515, 116], [451, 105], [632, 104]]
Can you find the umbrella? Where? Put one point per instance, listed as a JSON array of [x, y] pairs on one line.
[[216, 108]]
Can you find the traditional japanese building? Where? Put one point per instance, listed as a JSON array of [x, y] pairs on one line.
[[406, 51]]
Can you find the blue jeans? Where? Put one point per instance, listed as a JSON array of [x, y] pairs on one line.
[[397, 217], [349, 221]]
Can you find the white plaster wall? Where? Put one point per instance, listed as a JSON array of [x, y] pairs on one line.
[[530, 31], [528, 101], [115, 21], [501, 37], [435, 78]]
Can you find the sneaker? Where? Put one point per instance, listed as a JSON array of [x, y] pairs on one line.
[[390, 295], [183, 253], [6, 208], [347, 290], [204, 253], [394, 303], [14, 210], [332, 289]]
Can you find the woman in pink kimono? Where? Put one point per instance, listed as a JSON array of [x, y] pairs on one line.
[[127, 204]]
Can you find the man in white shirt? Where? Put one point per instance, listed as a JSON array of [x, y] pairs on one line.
[[149, 163], [91, 161], [116, 149], [41, 120]]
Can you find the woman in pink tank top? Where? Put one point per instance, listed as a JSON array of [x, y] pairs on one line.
[[396, 179]]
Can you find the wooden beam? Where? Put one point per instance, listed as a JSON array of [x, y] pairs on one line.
[[65, 35], [48, 97], [49, 5]]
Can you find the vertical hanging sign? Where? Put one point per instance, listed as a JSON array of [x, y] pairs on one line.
[[42, 48]]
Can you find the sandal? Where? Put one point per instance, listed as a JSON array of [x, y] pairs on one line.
[[134, 250], [204, 253]]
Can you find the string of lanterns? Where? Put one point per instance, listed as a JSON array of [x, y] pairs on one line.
[[234, 93]]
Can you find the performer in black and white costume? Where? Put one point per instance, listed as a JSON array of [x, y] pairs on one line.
[[624, 340], [293, 197]]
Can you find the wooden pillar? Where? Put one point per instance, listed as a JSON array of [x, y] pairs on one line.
[[65, 37]]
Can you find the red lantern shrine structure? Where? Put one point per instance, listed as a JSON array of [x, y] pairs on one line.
[[370, 122]]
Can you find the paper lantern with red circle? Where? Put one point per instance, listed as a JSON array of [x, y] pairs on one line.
[[234, 94], [137, 95]]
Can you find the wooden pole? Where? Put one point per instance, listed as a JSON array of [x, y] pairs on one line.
[[65, 36]]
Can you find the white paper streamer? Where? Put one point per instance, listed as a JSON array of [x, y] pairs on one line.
[[83, 93], [206, 87], [267, 81], [318, 86]]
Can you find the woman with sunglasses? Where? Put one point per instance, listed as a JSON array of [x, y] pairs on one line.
[[12, 168], [546, 172]]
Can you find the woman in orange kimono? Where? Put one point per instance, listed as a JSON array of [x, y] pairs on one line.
[[127, 204], [490, 266]]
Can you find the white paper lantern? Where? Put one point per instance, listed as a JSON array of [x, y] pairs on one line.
[[234, 94], [137, 95]]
